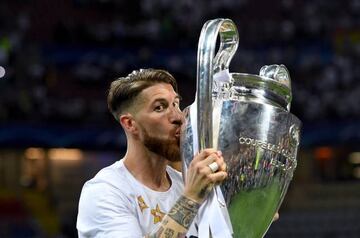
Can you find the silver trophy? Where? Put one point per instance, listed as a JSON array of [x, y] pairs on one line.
[[247, 117]]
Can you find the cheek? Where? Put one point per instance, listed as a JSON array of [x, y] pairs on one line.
[[155, 124], [158, 128]]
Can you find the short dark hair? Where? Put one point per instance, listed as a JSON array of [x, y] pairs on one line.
[[124, 90]]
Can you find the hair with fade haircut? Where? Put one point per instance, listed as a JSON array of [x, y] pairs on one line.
[[124, 90]]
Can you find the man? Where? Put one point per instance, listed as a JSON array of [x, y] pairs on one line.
[[141, 195]]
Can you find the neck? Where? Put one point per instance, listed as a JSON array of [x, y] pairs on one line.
[[147, 167]]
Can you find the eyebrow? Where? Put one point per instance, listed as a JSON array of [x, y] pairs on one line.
[[165, 100], [159, 100]]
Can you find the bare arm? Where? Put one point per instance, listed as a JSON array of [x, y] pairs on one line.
[[177, 222], [198, 181]]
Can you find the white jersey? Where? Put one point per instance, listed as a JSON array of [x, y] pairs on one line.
[[115, 204]]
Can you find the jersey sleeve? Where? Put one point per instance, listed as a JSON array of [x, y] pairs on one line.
[[105, 212]]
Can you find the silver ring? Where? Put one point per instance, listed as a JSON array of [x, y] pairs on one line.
[[213, 167]]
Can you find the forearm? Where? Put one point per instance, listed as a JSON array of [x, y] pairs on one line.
[[177, 222]]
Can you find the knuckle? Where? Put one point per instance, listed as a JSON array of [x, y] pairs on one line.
[[220, 162], [214, 157], [208, 151]]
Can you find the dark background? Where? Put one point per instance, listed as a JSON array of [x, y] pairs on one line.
[[59, 58]]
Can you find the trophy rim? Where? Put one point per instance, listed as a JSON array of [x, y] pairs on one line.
[[268, 88]]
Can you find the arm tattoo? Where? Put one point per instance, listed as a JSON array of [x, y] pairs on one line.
[[159, 232], [184, 211], [169, 233]]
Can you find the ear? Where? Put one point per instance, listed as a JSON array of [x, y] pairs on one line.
[[128, 122]]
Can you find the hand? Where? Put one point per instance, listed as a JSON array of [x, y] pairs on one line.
[[200, 178]]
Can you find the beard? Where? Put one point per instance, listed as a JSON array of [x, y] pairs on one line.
[[169, 148]]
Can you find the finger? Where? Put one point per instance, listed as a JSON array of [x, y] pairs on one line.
[[201, 166], [222, 165], [209, 166], [217, 177], [213, 167], [219, 166], [208, 160], [205, 153]]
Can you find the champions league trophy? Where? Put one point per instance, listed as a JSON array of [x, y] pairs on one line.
[[247, 118]]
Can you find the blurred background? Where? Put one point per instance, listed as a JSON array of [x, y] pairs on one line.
[[57, 59]]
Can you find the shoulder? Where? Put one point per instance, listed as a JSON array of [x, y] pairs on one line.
[[107, 192], [109, 182], [106, 204], [112, 175], [110, 171]]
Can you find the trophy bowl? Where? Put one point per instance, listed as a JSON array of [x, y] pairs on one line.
[[246, 117]]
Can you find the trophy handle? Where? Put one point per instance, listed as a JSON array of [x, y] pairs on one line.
[[207, 65]]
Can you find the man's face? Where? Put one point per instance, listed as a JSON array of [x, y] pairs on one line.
[[159, 119]]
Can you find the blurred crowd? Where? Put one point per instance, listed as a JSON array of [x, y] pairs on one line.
[[60, 56]]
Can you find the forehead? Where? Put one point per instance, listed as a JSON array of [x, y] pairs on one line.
[[160, 90]]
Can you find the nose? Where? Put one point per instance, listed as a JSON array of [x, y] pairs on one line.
[[177, 117]]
